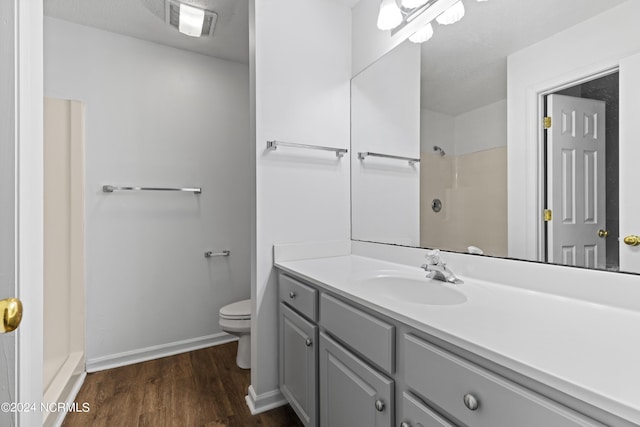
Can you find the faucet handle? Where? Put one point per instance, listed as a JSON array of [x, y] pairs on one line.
[[433, 257]]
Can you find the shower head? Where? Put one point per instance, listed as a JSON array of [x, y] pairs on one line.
[[439, 150]]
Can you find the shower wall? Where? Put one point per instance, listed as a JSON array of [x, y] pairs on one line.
[[156, 117], [63, 293], [470, 180]]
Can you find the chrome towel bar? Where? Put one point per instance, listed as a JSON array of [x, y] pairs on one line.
[[112, 188], [210, 254], [364, 154], [272, 145]]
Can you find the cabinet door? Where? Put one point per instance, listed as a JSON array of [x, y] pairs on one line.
[[416, 414], [298, 364], [352, 394]]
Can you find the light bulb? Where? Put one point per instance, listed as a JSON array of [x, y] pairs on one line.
[[451, 15], [191, 20], [389, 16], [423, 34], [411, 4]]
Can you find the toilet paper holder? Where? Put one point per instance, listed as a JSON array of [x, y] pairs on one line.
[[210, 254]]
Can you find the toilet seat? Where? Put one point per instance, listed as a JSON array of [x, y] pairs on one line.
[[240, 310]]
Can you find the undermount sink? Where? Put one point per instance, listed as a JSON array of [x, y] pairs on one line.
[[414, 290]]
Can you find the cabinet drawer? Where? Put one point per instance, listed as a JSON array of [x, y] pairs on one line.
[[415, 413], [301, 297], [444, 379], [371, 337]]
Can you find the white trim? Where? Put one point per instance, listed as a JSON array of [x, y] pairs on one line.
[[535, 142], [29, 173], [265, 401], [71, 397], [156, 352], [553, 86]]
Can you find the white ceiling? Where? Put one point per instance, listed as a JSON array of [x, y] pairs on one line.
[[144, 19], [464, 65]]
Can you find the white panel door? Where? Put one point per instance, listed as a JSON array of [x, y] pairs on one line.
[[629, 157], [8, 387], [21, 99], [576, 181]]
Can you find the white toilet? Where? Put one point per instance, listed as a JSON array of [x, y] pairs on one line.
[[235, 319]]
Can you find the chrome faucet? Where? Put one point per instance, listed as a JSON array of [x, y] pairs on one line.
[[438, 269]]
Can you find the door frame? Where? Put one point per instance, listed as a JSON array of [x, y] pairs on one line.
[[24, 66], [535, 107]]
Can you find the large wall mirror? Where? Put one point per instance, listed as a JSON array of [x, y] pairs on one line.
[[510, 133]]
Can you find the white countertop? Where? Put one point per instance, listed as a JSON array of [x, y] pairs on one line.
[[587, 350]]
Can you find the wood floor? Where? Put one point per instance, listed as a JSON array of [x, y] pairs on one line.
[[200, 388]]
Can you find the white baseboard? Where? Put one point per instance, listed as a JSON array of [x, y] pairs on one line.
[[156, 352], [265, 401]]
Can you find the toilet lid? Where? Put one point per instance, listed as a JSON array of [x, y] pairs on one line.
[[237, 310]]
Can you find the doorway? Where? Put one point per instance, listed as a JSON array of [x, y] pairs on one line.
[[64, 254], [581, 189]]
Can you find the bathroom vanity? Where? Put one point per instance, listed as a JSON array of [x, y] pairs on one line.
[[366, 342]]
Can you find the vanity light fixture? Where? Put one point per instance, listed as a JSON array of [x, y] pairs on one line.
[[389, 16], [451, 15], [394, 14], [423, 34], [189, 19]]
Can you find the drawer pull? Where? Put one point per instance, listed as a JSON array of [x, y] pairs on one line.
[[292, 295], [379, 405], [308, 342], [471, 402]]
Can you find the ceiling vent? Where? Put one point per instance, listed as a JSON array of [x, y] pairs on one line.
[[172, 13]]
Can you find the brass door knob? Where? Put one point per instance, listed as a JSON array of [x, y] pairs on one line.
[[11, 309], [632, 240], [603, 233]]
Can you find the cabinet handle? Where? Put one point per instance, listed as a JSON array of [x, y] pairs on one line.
[[379, 405], [308, 342], [292, 295], [471, 402]]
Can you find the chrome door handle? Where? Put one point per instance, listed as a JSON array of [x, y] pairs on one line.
[[11, 309], [379, 405]]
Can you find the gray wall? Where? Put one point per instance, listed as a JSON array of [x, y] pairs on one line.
[[156, 116]]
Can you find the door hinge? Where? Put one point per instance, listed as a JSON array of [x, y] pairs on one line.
[[547, 215], [546, 122]]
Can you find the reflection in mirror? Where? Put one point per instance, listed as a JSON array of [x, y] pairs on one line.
[[470, 144]]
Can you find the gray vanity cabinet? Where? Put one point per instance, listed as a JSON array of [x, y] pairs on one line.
[[338, 368], [352, 393]]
